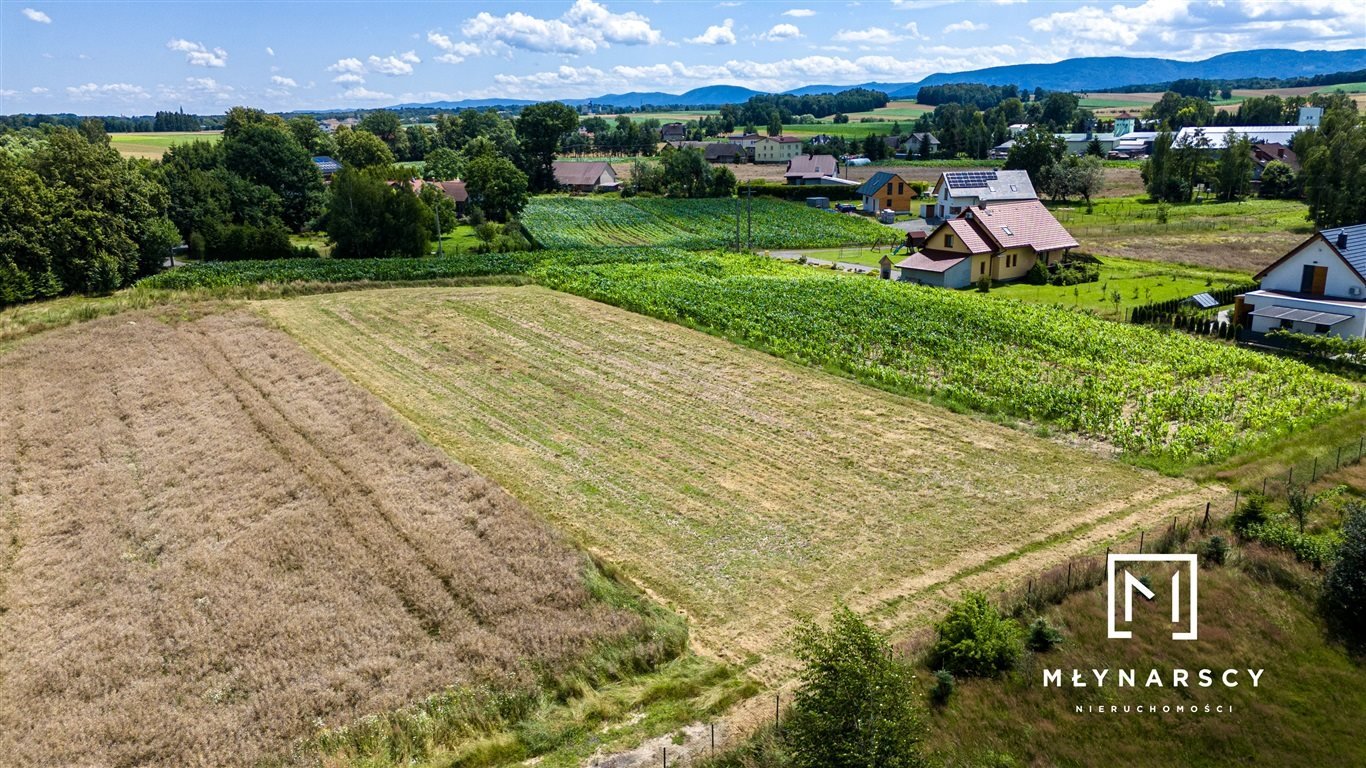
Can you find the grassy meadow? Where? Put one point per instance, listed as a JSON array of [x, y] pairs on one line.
[[738, 488], [1136, 282], [1226, 237], [151, 146]]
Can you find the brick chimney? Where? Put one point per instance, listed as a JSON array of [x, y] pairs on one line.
[[1342, 240]]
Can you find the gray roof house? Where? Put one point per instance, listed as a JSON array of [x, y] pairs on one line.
[[1318, 288]]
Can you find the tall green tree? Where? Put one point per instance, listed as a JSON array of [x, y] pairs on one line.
[[1344, 588], [1234, 171], [265, 152], [362, 149], [1035, 151], [367, 217], [1278, 181], [496, 186], [1334, 172], [854, 708], [775, 123], [539, 129]]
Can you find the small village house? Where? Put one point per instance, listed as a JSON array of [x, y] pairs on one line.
[[887, 191], [586, 177], [724, 152], [913, 146], [776, 149], [1319, 287], [999, 241], [326, 166], [956, 191], [673, 132], [810, 169]]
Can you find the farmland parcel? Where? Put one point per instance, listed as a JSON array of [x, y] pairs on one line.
[[738, 487], [213, 543]]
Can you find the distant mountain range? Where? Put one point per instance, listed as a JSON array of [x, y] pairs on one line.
[[1095, 74]]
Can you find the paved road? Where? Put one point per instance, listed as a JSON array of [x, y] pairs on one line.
[[842, 265]]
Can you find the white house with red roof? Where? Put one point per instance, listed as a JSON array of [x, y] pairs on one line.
[[776, 149], [1000, 241]]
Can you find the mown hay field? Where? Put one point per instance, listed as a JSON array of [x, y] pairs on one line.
[[151, 146], [739, 488], [211, 544]]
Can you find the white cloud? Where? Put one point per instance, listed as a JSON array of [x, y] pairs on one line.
[[352, 65], [390, 65], [38, 89], [870, 36], [349, 77], [781, 32], [288, 82], [38, 16], [270, 51], [1189, 29], [366, 94], [8, 93], [584, 28], [967, 25], [722, 34], [455, 52], [913, 31], [411, 57], [799, 13], [121, 91], [198, 55]]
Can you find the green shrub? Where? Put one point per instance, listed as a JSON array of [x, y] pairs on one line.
[[1215, 550], [1344, 588], [1042, 637], [1038, 274], [1251, 512], [943, 687], [975, 639], [984, 285], [854, 706]]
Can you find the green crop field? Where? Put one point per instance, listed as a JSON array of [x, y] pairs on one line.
[[153, 145], [580, 222], [1162, 396]]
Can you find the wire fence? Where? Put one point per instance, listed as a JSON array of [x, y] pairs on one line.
[[1312, 469]]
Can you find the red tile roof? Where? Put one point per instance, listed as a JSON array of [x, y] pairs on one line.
[[972, 239], [1021, 223], [926, 262]]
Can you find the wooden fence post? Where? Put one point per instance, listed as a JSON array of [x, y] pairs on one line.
[[1141, 534], [1236, 495], [1205, 522], [1069, 574], [1338, 464], [1314, 473], [1263, 486]]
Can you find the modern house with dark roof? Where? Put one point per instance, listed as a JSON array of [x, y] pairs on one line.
[[673, 132], [810, 169], [1000, 241], [585, 177], [885, 190], [957, 191], [1319, 287]]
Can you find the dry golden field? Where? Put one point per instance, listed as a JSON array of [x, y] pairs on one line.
[[737, 487], [211, 543]]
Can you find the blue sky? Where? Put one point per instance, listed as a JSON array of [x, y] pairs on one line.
[[138, 57]]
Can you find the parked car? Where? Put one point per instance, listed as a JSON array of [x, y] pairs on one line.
[[846, 208]]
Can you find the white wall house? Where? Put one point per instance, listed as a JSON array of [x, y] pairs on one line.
[[776, 149], [1317, 288], [957, 191]]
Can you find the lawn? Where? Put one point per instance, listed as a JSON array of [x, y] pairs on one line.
[[1241, 236], [152, 146], [739, 488], [1136, 282]]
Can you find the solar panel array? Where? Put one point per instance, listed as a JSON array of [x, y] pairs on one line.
[[970, 179]]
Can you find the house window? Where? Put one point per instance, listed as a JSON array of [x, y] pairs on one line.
[[1287, 325], [889, 187], [889, 203], [982, 270], [948, 241], [1313, 280], [1320, 328], [900, 188]]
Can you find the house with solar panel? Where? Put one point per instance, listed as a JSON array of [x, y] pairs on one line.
[[996, 241], [957, 191], [326, 166], [1319, 287]]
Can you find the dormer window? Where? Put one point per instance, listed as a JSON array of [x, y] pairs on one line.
[[948, 241]]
